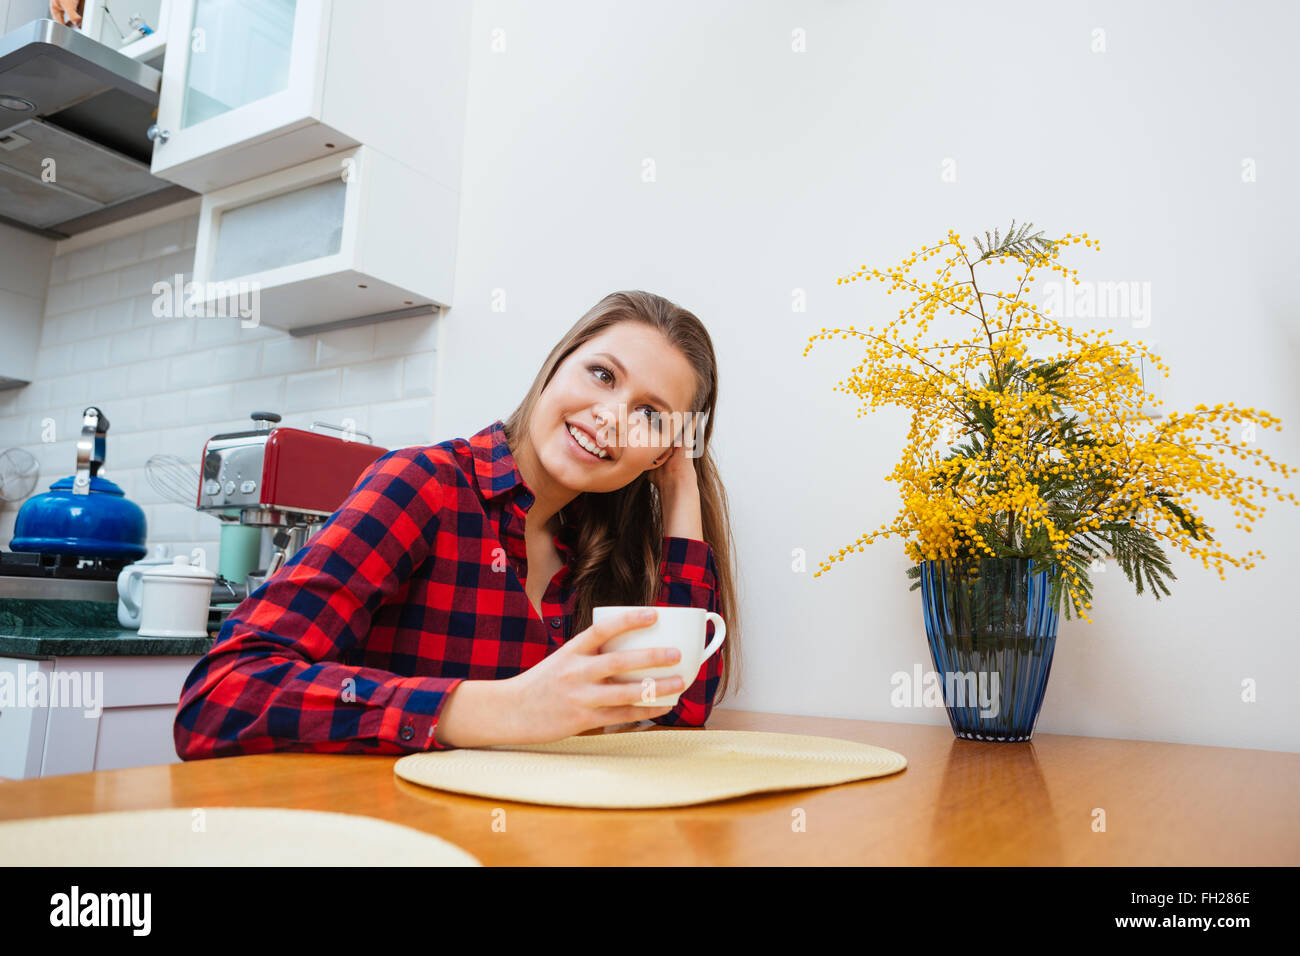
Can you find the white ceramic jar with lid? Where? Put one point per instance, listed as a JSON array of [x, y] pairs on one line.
[[175, 598]]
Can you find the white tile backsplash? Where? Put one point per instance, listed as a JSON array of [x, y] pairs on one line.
[[228, 363], [68, 390], [210, 404], [107, 384], [372, 380], [89, 355], [128, 415], [168, 384], [403, 423], [148, 378], [164, 239], [63, 297], [137, 280], [171, 336], [114, 317], [123, 251], [217, 330], [164, 410], [288, 354], [417, 374], [142, 309], [129, 346], [310, 390], [98, 289], [419, 333], [69, 327], [258, 395], [55, 360], [171, 522], [25, 399], [345, 345], [85, 262]]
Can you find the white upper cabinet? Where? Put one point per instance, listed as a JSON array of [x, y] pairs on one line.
[[254, 86], [330, 239], [140, 32]]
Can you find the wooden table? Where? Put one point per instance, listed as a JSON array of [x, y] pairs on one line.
[[958, 802]]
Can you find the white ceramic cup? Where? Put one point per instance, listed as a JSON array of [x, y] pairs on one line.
[[173, 601], [681, 627]]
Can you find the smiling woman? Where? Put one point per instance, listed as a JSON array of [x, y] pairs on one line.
[[448, 602], [637, 377]]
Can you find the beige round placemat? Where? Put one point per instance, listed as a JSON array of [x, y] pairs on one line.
[[222, 836], [657, 768]]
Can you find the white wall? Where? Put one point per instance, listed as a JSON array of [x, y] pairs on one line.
[[169, 384], [778, 171]]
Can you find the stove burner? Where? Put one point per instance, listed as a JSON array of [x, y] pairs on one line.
[[75, 567]]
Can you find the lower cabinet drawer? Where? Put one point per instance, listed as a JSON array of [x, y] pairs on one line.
[[78, 714]]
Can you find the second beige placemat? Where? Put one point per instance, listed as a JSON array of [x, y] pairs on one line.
[[658, 768], [222, 836]]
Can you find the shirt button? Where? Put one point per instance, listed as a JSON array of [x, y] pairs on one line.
[[407, 732], [555, 622]]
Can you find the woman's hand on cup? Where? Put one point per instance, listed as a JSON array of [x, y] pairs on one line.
[[573, 689]]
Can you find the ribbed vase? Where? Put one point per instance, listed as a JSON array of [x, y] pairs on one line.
[[992, 631]]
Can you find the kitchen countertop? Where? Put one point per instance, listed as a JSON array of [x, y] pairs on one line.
[[958, 802], [34, 627], [30, 640]]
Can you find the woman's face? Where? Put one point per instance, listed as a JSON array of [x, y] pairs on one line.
[[621, 388]]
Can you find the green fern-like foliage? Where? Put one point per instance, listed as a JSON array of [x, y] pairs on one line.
[[1134, 548], [1019, 243]]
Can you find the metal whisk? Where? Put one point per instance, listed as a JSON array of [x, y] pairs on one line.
[[174, 479]]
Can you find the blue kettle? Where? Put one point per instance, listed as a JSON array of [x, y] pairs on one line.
[[83, 515]]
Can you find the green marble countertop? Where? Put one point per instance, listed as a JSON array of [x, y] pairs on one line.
[[79, 641], [44, 628]]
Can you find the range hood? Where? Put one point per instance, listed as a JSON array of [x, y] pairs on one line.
[[84, 106]]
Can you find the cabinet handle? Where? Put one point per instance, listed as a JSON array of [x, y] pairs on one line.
[[156, 134]]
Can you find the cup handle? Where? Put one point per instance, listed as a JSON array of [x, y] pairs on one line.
[[127, 590], [719, 634]]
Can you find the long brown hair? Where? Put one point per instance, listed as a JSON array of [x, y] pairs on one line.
[[618, 543]]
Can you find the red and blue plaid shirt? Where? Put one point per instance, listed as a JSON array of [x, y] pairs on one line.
[[355, 643]]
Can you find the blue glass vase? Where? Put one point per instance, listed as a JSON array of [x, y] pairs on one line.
[[991, 627]]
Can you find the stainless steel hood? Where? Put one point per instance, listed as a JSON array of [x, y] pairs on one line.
[[74, 153]]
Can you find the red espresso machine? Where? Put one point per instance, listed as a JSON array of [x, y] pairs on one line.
[[273, 486]]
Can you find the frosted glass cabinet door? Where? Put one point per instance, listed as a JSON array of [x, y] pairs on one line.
[[283, 230], [239, 52], [238, 73]]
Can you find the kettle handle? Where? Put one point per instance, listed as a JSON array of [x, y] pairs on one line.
[[90, 448]]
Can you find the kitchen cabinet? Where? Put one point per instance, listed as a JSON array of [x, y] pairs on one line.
[[22, 728], [254, 86], [345, 236], [25, 263], [138, 31], [136, 704]]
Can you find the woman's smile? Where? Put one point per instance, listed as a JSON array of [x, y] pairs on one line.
[[578, 450]]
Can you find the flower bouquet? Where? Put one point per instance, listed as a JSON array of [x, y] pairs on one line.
[[1035, 452]]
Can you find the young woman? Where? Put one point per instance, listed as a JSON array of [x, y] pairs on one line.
[[447, 603]]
